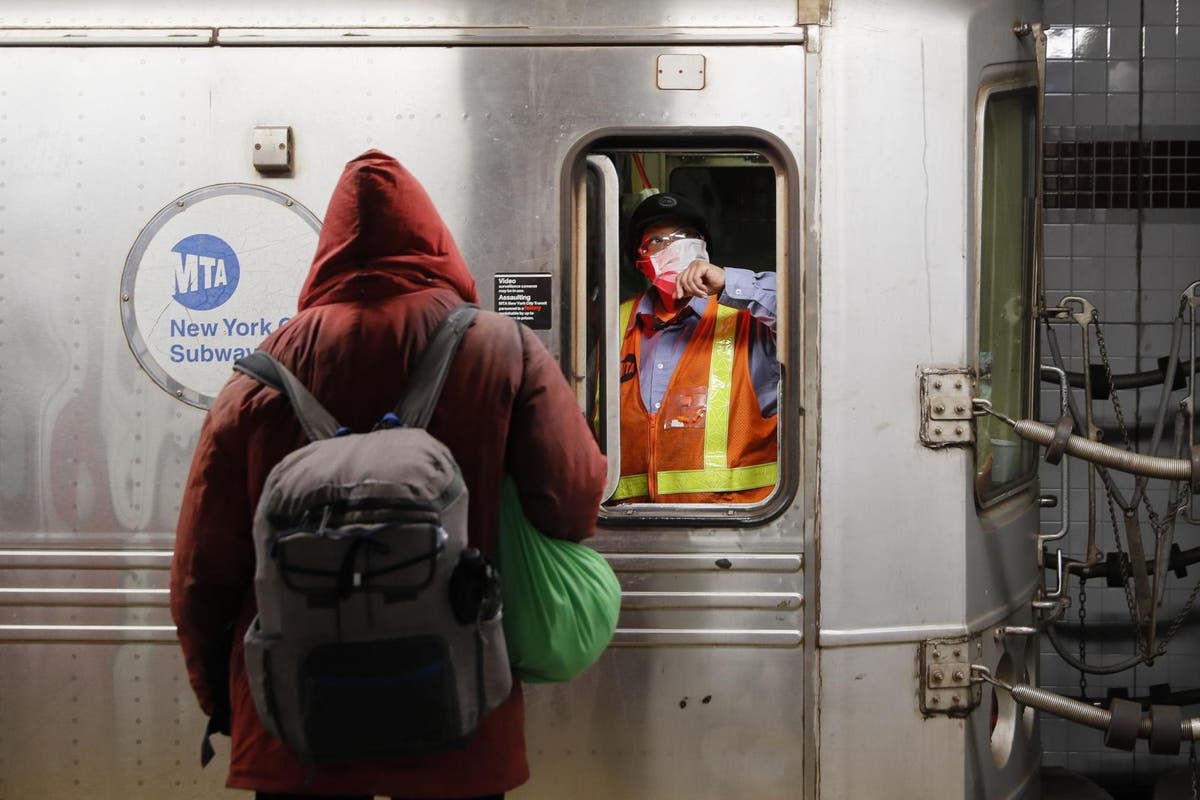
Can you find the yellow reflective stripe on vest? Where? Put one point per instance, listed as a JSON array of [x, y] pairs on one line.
[[737, 479], [632, 486], [720, 389]]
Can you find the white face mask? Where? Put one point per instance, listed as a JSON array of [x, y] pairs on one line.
[[675, 257]]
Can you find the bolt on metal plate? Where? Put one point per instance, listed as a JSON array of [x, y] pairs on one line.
[[946, 687], [946, 409]]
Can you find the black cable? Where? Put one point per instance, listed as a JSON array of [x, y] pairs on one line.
[[1128, 380], [1092, 669]]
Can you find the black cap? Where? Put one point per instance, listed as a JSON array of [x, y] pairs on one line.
[[660, 207]]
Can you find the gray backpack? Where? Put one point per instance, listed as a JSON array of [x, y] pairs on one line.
[[378, 630]]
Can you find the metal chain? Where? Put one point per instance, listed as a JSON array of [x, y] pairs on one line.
[[1112, 389], [1083, 682], [1158, 525], [1177, 623], [1123, 561]]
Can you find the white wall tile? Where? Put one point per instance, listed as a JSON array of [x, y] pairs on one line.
[[1157, 240], [1090, 42], [1092, 76], [1057, 239], [1187, 75], [1186, 271], [1187, 43], [1123, 76], [1120, 240], [1120, 273], [1087, 275], [1059, 76], [1157, 273], [1159, 12], [1060, 42], [1091, 109], [1160, 41], [1158, 108], [1125, 42], [1123, 109], [1185, 240], [1091, 12], [1087, 240], [1060, 109], [1159, 304], [1124, 12], [1158, 75], [1057, 274], [1187, 104], [1058, 12]]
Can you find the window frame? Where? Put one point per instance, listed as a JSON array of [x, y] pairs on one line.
[[989, 91], [789, 337]]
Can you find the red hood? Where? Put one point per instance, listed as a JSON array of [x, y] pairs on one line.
[[382, 226]]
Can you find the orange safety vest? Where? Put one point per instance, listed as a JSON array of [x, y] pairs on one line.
[[709, 442]]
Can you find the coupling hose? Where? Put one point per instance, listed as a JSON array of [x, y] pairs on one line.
[[1059, 706], [1089, 715], [1176, 469]]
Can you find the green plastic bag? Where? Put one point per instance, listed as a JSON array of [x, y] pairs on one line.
[[561, 599]]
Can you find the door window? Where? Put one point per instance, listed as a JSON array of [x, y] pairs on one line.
[[1006, 284], [683, 392]]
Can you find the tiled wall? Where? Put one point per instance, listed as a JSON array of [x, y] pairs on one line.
[[1123, 88]]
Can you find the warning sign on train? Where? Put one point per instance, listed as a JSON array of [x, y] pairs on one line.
[[524, 296], [209, 277]]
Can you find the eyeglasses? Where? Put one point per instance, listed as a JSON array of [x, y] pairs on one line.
[[652, 244]]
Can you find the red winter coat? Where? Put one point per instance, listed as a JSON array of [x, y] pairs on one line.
[[385, 273]]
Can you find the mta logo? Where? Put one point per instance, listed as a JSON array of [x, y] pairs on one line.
[[207, 273]]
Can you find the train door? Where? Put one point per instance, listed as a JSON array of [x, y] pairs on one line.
[[1003, 546], [704, 692], [708, 662]]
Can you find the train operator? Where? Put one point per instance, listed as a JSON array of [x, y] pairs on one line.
[[699, 375]]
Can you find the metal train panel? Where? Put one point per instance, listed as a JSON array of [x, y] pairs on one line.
[[96, 453]]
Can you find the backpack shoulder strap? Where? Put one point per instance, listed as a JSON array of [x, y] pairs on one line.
[[425, 383], [314, 419]]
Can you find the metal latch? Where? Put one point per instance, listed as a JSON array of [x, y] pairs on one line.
[[274, 149], [946, 410], [946, 686]]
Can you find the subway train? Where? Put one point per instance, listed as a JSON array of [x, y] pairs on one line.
[[855, 634]]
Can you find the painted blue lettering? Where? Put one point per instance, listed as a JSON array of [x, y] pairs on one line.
[[235, 326], [205, 354], [187, 273]]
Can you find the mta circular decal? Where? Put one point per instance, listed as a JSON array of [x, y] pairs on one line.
[[214, 273], [207, 273]]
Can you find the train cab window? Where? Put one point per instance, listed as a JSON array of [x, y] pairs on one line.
[[1003, 462], [680, 339]]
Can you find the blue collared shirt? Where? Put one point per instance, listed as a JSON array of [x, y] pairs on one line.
[[662, 345]]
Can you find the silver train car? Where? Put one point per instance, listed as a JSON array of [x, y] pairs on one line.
[[815, 645]]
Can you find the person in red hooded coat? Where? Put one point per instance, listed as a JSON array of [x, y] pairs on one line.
[[386, 272]]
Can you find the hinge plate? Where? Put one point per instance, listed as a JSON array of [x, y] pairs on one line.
[[947, 417], [946, 686]]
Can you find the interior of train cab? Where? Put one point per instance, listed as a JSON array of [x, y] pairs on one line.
[[725, 410]]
